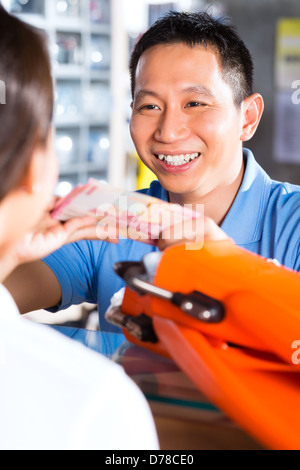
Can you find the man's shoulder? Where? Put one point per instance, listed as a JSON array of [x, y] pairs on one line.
[[284, 214], [285, 194], [155, 190]]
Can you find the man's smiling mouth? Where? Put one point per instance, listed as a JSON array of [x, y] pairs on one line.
[[177, 160]]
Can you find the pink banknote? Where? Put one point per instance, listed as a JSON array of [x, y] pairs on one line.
[[133, 215]]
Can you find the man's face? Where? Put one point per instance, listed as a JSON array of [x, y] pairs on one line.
[[185, 125]]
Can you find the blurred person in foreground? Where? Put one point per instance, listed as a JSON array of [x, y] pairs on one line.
[[55, 393]]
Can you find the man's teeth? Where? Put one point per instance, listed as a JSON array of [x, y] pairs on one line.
[[177, 160]]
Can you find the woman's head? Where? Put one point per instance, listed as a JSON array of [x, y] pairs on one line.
[[28, 165], [26, 115]]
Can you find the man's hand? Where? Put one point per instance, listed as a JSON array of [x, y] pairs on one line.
[[192, 233]]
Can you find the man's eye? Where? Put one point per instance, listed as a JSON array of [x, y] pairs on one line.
[[149, 107], [193, 104]]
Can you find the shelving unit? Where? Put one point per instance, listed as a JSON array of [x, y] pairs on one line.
[[80, 44]]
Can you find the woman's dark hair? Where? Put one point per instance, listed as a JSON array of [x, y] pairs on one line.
[[201, 29], [26, 107]]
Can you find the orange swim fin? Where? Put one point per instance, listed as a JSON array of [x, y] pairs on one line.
[[229, 319]]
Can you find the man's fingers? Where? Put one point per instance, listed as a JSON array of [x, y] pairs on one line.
[[191, 232]]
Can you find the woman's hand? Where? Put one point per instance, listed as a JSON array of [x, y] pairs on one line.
[[50, 234]]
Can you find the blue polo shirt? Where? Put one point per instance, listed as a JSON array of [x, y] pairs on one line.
[[264, 218]]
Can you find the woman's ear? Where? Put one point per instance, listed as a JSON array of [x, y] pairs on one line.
[[252, 109], [30, 182]]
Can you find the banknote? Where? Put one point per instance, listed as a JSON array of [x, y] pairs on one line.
[[133, 215]]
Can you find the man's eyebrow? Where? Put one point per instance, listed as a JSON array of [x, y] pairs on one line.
[[144, 92], [199, 89]]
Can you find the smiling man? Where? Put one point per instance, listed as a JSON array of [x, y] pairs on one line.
[[187, 128], [193, 107]]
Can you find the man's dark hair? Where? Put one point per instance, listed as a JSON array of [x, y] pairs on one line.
[[202, 29]]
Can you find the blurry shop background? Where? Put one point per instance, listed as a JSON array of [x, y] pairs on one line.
[[90, 43]]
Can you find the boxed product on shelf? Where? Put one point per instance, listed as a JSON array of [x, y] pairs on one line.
[[68, 7], [68, 99], [66, 144], [30, 6], [99, 55], [99, 147], [97, 102], [69, 48], [100, 11]]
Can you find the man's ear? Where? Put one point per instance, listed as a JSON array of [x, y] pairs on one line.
[[252, 109]]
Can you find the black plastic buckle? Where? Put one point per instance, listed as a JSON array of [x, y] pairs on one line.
[[195, 304]]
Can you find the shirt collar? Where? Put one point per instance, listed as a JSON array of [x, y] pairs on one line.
[[244, 220], [8, 306]]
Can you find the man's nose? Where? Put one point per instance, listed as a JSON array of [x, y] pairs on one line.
[[172, 126]]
